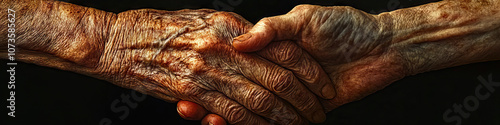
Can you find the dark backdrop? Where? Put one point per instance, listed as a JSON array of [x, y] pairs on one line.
[[49, 96]]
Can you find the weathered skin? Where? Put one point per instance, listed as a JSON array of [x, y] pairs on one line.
[[193, 50], [171, 55], [363, 53]]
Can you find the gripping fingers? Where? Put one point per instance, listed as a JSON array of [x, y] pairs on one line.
[[190, 111], [292, 57], [232, 111], [257, 99], [266, 30], [213, 119], [276, 28], [284, 84]]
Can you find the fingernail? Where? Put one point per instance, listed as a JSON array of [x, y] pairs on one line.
[[210, 123], [319, 116], [180, 113], [243, 37], [328, 91]]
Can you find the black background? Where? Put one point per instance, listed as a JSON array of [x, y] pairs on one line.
[[50, 96]]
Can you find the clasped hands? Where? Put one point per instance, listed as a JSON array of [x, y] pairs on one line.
[[287, 69]]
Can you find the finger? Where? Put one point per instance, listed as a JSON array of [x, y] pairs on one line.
[[213, 119], [256, 99], [190, 110], [277, 28], [232, 111], [284, 84], [265, 31], [292, 57]]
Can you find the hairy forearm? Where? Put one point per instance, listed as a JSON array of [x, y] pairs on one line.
[[58, 34], [445, 34]]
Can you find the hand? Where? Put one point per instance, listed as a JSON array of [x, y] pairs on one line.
[[353, 48], [380, 49], [171, 55], [187, 55]]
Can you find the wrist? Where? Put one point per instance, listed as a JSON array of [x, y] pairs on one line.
[[449, 35]]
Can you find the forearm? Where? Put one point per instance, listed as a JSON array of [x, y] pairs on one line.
[[446, 34], [99, 44], [57, 34], [69, 37]]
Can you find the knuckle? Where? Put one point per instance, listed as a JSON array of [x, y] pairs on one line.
[[228, 23], [311, 74], [236, 114], [308, 104], [283, 83], [260, 101], [289, 54]]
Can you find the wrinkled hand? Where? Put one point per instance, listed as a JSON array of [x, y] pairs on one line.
[[351, 46], [187, 55]]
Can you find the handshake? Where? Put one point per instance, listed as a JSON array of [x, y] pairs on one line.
[[287, 69], [302, 65]]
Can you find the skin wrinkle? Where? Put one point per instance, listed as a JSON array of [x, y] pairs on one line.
[[92, 56], [174, 80], [265, 81], [114, 52], [256, 98], [304, 70], [72, 34], [375, 63], [460, 41], [259, 100], [449, 27], [39, 15], [172, 64], [189, 58], [344, 34], [345, 31]]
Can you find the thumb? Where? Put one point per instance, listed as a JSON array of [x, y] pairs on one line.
[[266, 30]]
